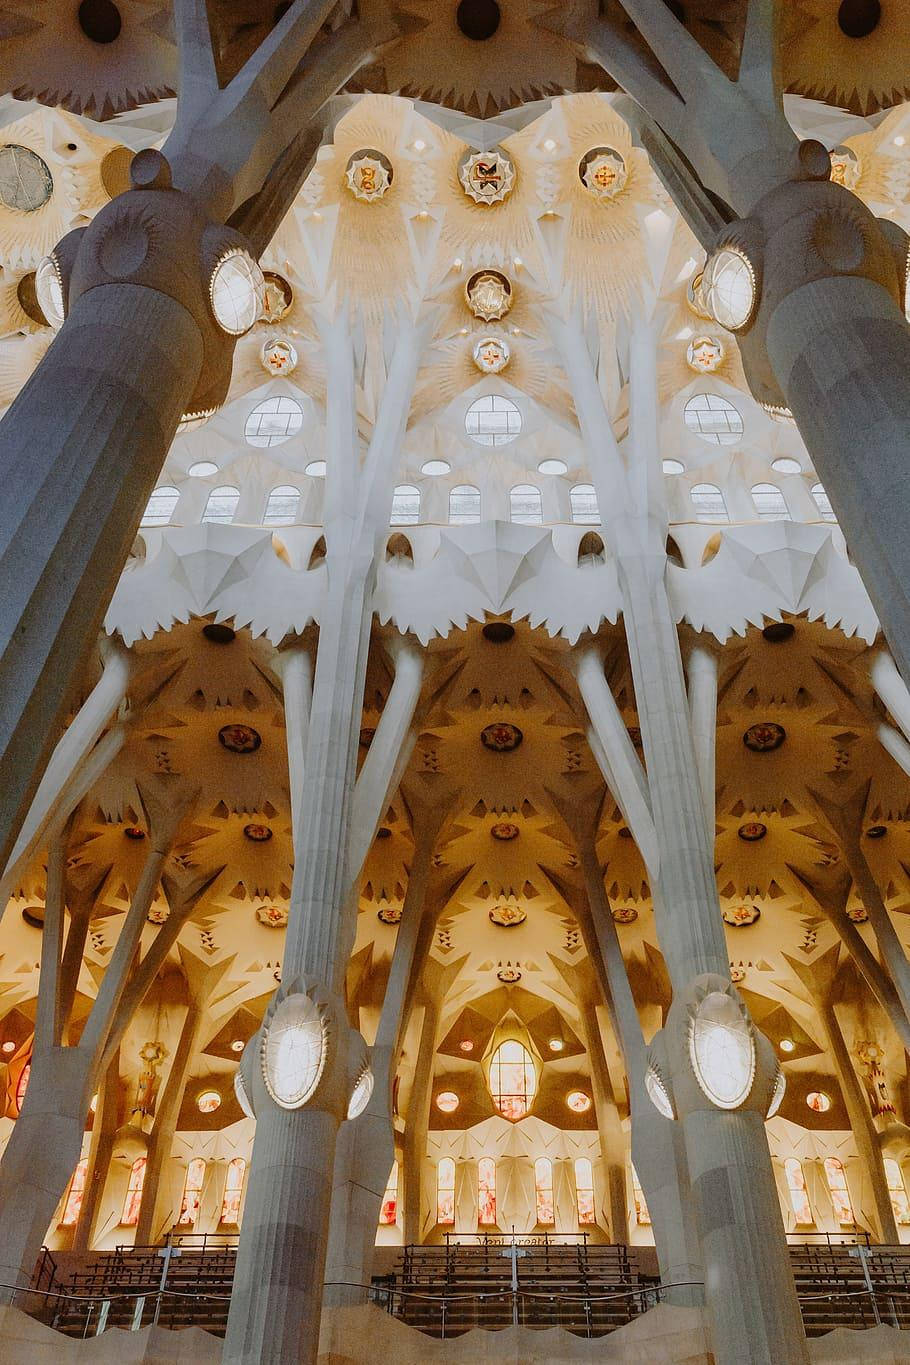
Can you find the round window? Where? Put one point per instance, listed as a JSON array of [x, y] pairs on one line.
[[274, 421], [26, 183], [492, 420], [714, 419]]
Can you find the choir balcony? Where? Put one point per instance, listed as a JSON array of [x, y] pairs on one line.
[[487, 1282]]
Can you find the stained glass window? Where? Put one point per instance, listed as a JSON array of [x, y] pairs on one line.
[[708, 501], [642, 1215], [543, 1184], [233, 1189], [281, 508], [583, 502], [822, 502], [464, 504], [584, 1189], [74, 1195], [486, 1191], [837, 1187], [525, 505], [769, 502], [192, 1193], [160, 506], [799, 1196], [405, 505], [130, 1216], [513, 1079], [445, 1192], [897, 1190], [222, 504], [22, 1085], [388, 1211]]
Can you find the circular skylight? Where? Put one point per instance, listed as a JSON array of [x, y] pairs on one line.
[[203, 469], [492, 420], [786, 466], [26, 183], [673, 467], [435, 467], [714, 419], [316, 469], [552, 467], [274, 421]]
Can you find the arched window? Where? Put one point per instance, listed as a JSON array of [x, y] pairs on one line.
[[837, 1187], [405, 505], [388, 1210], [543, 1185], [464, 505], [233, 1189], [897, 1190], [74, 1195], [583, 502], [714, 419], [708, 501], [192, 1193], [584, 1190], [273, 421], [160, 507], [513, 1079], [492, 420], [281, 508], [130, 1215], [445, 1192], [823, 503], [222, 504], [642, 1215], [525, 505], [486, 1192], [769, 502], [799, 1195]]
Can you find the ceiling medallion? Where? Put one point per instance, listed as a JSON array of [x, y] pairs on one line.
[[277, 297], [489, 295], [508, 975], [624, 914], [486, 177], [158, 914], [134, 832], [389, 914], [272, 916], [739, 916], [752, 831], [764, 736], [603, 172], [278, 356], [369, 175], [704, 354], [501, 737], [507, 916], [239, 739], [491, 354], [504, 830], [858, 914], [737, 974], [845, 167], [258, 834]]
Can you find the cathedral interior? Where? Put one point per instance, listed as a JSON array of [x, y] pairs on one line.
[[454, 721]]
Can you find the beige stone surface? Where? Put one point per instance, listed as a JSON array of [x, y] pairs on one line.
[[360, 1336]]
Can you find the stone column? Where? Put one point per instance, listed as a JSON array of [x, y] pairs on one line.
[[275, 1306], [417, 1121], [749, 1286], [701, 671]]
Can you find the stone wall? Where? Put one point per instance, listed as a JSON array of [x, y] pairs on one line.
[[358, 1336]]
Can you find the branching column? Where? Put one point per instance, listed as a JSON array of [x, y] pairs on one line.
[[749, 1287], [275, 1306]]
